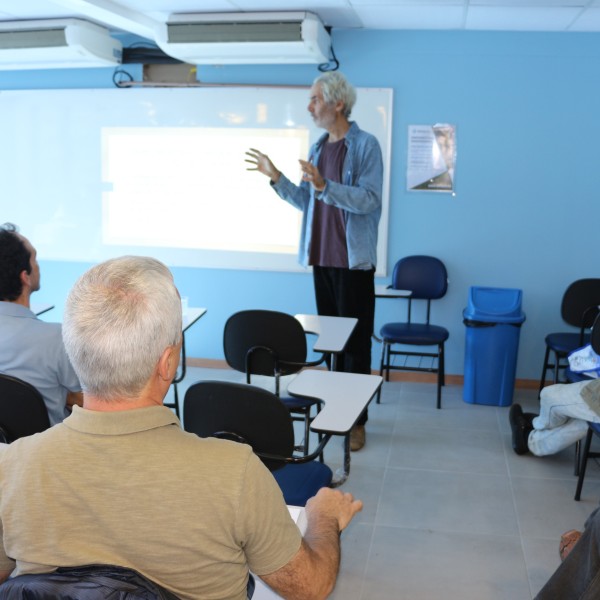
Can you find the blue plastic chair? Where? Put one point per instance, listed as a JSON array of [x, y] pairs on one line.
[[579, 308], [426, 277], [255, 416]]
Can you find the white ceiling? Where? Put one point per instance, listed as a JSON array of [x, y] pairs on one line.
[[141, 16]]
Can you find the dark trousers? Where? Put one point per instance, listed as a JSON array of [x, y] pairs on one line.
[[578, 576], [349, 293]]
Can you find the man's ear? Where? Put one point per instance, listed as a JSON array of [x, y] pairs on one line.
[[24, 276], [167, 364]]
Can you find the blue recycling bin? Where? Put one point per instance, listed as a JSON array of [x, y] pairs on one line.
[[493, 319]]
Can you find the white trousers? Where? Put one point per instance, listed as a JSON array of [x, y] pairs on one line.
[[562, 420]]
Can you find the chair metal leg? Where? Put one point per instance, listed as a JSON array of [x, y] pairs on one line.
[[544, 369], [577, 464], [306, 430], [381, 365], [442, 363], [556, 366], [440, 375], [583, 463]]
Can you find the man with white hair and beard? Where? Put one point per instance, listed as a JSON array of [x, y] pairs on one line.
[[340, 199]]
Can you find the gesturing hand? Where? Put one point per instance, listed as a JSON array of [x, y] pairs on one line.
[[311, 174], [262, 163]]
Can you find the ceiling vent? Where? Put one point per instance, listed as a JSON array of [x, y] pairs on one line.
[[245, 38], [56, 44]]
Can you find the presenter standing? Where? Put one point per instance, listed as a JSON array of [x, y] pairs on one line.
[[340, 198]]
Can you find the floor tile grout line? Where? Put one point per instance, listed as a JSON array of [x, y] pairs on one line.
[[506, 450]]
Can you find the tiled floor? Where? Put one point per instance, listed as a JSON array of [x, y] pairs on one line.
[[449, 510]]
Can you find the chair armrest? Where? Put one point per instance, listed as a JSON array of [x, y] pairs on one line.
[[298, 459]]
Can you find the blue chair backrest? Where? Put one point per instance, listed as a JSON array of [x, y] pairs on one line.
[[425, 276]]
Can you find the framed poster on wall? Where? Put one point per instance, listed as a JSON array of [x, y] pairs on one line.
[[431, 158]]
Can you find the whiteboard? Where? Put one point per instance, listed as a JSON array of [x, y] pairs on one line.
[[91, 174]]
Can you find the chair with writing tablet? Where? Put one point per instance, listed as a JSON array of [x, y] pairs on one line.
[[255, 416], [271, 343], [427, 279], [22, 409]]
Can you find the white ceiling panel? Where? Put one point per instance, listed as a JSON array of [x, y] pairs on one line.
[[278, 5], [529, 3], [520, 18], [30, 9], [412, 3], [411, 17], [341, 18], [179, 5], [507, 15]]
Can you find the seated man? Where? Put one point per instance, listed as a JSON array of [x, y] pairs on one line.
[[565, 409], [578, 576], [31, 349], [119, 482]]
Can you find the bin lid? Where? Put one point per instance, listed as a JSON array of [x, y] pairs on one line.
[[497, 305]]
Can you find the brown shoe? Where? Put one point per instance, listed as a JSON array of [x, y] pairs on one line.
[[357, 437], [567, 542]]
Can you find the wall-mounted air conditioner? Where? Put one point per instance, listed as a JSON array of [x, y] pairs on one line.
[[245, 38], [56, 44]]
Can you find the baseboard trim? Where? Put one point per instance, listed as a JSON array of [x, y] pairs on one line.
[[408, 376]]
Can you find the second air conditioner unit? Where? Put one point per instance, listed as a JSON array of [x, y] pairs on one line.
[[245, 38]]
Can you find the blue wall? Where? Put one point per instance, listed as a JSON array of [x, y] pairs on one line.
[[526, 107]]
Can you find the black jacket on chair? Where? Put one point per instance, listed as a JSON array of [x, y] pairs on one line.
[[89, 582]]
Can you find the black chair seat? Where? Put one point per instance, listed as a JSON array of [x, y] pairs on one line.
[[417, 334], [565, 343]]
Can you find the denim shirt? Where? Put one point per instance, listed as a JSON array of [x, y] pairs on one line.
[[359, 196]]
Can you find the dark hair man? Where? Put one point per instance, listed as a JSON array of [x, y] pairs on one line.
[[31, 349]]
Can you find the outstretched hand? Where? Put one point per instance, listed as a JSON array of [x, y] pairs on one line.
[[262, 163]]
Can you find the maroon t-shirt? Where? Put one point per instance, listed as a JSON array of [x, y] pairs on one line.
[[328, 237]]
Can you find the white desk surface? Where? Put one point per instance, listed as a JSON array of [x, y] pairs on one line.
[[333, 332], [191, 315], [383, 291], [345, 396]]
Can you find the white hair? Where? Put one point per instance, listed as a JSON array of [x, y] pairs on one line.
[[336, 87], [119, 318]]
